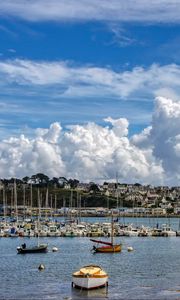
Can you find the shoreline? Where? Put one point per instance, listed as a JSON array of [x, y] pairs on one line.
[[97, 216]]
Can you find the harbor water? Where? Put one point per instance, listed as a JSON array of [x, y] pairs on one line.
[[151, 271]]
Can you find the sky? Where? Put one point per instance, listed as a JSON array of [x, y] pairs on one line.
[[90, 89]]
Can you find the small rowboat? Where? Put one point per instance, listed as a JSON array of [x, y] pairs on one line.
[[36, 249], [90, 277]]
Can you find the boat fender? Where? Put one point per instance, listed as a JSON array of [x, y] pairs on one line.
[[41, 267], [129, 249], [54, 249]]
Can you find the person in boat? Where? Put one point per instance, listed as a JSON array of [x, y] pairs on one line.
[[24, 246], [94, 248]]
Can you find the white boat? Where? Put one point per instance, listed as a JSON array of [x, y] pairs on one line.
[[81, 230], [90, 277], [167, 231], [71, 233], [1, 232], [95, 231], [145, 231], [53, 231], [41, 231], [131, 231], [28, 233]]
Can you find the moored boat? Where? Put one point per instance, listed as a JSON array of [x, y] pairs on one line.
[[90, 277], [167, 231], [106, 248], [42, 248]]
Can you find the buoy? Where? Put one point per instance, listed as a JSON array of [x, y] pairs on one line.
[[54, 249], [41, 267], [130, 249]]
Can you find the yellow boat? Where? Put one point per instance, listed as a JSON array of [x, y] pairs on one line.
[[90, 277]]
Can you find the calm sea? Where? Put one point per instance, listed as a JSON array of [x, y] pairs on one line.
[[151, 271]]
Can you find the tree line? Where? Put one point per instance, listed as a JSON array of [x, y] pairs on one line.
[[42, 180]]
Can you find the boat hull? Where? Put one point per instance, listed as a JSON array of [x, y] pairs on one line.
[[108, 249], [36, 249], [88, 283]]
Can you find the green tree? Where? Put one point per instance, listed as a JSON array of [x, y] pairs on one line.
[[94, 188], [25, 179], [73, 183], [40, 179], [54, 182]]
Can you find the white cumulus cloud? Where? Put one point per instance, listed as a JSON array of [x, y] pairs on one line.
[[86, 152], [165, 134], [94, 152]]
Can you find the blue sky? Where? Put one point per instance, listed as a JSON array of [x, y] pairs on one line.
[[111, 44], [92, 66]]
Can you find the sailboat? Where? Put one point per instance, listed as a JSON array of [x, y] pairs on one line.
[[107, 247], [39, 248]]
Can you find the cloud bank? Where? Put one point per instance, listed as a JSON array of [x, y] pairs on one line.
[[89, 81], [93, 10], [92, 152]]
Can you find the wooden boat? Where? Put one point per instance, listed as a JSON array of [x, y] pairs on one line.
[[90, 277], [42, 248], [109, 247]]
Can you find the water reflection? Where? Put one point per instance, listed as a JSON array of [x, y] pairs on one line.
[[101, 293]]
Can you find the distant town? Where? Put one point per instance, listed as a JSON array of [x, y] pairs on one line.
[[60, 196]]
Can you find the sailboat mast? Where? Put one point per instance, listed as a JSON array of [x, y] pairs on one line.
[[117, 191], [70, 204], [112, 229], [46, 204], [24, 201], [15, 200], [31, 199], [12, 204], [4, 204], [39, 212], [80, 208], [55, 204], [51, 205], [64, 208]]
